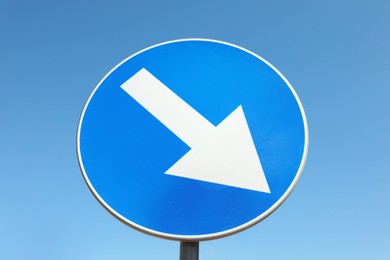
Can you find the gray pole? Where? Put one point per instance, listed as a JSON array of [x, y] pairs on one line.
[[189, 250]]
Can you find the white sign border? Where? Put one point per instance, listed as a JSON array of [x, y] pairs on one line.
[[206, 237]]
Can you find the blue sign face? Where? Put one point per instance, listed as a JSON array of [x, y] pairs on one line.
[[192, 140]]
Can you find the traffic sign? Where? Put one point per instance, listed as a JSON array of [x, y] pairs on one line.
[[192, 140]]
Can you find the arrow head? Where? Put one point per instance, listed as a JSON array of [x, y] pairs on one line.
[[226, 156]]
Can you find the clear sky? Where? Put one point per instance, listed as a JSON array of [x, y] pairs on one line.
[[336, 54]]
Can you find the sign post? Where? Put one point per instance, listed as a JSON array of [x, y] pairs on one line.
[[189, 250], [192, 140]]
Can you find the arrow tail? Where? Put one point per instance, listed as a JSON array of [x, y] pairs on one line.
[[179, 117]]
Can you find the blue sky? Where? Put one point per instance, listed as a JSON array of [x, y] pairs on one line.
[[335, 53]]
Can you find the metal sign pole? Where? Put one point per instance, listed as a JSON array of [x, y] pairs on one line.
[[189, 250]]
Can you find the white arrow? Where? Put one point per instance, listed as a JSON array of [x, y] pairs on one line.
[[223, 154]]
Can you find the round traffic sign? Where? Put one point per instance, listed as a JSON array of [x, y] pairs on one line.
[[192, 140]]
